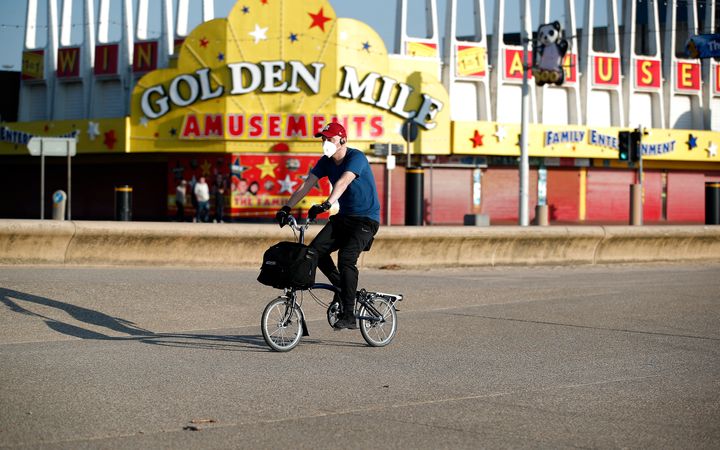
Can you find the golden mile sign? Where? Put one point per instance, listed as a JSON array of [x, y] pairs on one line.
[[278, 72], [279, 76]]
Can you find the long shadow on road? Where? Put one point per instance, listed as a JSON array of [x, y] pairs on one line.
[[13, 299]]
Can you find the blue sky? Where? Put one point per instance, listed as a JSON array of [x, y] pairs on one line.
[[379, 14]]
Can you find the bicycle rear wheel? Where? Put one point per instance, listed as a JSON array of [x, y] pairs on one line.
[[281, 324], [379, 331]]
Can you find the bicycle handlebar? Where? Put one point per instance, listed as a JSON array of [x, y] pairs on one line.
[[294, 225]]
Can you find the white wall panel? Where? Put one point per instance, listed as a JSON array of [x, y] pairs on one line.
[[464, 101], [681, 117], [509, 102], [70, 100], [109, 99], [35, 99], [601, 113], [715, 117], [555, 108], [641, 112]]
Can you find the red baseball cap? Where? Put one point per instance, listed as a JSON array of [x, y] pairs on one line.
[[332, 129]]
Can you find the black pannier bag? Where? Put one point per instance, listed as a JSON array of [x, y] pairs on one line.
[[289, 265]]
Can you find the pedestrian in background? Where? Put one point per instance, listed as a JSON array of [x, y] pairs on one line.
[[193, 198], [219, 198], [202, 195], [180, 193]]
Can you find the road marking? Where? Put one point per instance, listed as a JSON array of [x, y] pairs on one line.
[[541, 322], [446, 400]]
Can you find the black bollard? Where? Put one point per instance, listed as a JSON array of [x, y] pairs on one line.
[[123, 203], [414, 195], [712, 203]]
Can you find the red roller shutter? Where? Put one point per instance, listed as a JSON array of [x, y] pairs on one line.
[[378, 171], [452, 195], [397, 206], [686, 197], [501, 191], [608, 195], [652, 203], [397, 196], [563, 194]]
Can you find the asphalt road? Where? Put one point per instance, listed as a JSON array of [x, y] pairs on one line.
[[601, 357]]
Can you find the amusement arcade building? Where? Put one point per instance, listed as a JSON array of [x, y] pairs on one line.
[[238, 100]]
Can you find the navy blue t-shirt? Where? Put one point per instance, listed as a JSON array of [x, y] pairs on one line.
[[360, 199]]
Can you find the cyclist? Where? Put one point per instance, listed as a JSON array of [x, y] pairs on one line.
[[352, 229]]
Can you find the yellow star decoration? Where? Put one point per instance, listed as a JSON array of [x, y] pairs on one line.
[[205, 166], [267, 168]]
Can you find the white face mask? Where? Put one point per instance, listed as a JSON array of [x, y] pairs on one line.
[[329, 148]]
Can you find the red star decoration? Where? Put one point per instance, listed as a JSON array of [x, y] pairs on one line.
[[477, 139], [264, 2], [204, 42], [110, 139], [319, 20]]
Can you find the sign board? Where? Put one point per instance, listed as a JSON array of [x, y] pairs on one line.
[[387, 149], [59, 197], [52, 146], [704, 46], [409, 131], [549, 51]]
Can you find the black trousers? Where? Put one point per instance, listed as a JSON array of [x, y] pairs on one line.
[[349, 236], [219, 207], [180, 211]]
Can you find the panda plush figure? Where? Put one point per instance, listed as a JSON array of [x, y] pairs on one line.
[[548, 54]]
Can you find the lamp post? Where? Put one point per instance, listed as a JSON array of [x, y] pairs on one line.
[[524, 219]]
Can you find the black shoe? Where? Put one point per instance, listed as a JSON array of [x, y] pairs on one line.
[[346, 322]]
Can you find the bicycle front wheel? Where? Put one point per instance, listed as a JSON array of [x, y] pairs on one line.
[[281, 324], [381, 329]]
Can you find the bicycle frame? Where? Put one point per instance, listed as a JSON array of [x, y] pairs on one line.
[[363, 298]]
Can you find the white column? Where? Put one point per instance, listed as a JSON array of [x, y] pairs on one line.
[[403, 40], [524, 214], [88, 53], [126, 52], [51, 51], [31, 24], [66, 24], [602, 103], [469, 93], [166, 45], [502, 87], [208, 10], [633, 91], [142, 20], [679, 102], [711, 85], [181, 26], [128, 32], [549, 95]]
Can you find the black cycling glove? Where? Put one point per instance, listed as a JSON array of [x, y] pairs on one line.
[[282, 216], [318, 209]]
